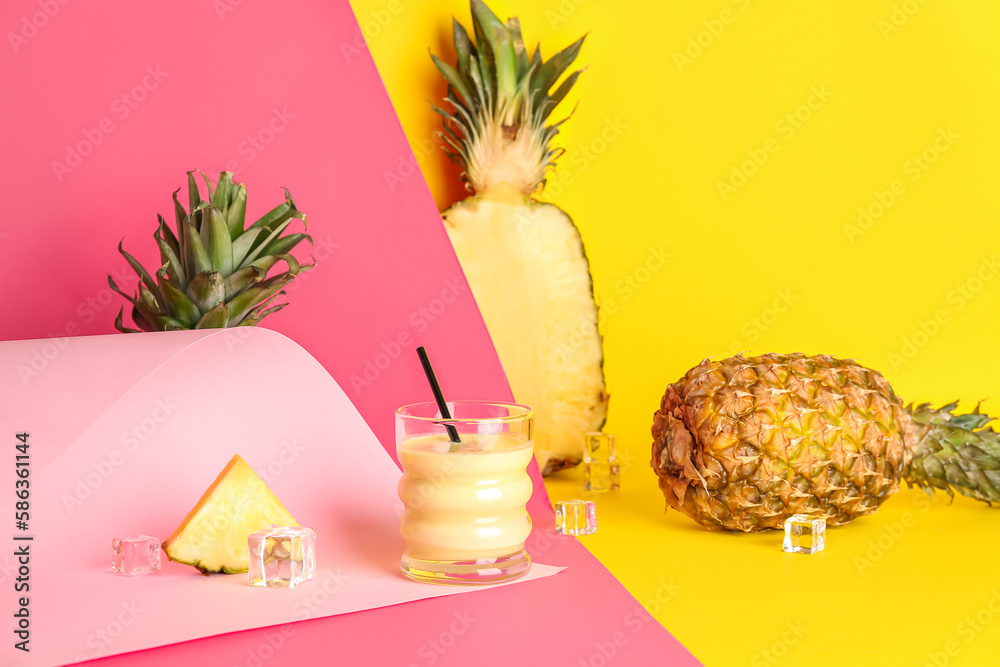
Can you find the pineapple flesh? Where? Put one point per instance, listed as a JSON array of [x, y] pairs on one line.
[[524, 260], [746, 442], [213, 535]]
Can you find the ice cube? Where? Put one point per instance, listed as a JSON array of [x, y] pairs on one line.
[[600, 462], [804, 534], [132, 556], [282, 556], [576, 517]]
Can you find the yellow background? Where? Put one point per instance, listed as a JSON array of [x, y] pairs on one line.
[[780, 264]]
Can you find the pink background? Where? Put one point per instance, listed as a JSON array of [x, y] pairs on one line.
[[146, 451], [327, 131]]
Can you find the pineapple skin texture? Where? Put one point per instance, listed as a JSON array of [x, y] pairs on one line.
[[744, 443], [526, 266]]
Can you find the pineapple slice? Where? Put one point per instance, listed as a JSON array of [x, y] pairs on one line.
[[528, 272], [524, 260], [213, 535]]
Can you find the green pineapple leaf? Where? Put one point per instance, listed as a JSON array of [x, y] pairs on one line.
[[244, 302], [217, 318], [178, 304], [236, 214], [207, 290], [120, 326], [453, 79], [464, 49], [502, 46], [238, 282], [220, 199], [284, 244], [199, 260], [194, 197], [553, 68], [215, 236], [273, 233], [520, 53], [561, 91], [170, 258], [137, 267]]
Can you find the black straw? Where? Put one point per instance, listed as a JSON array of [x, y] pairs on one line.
[[438, 396]]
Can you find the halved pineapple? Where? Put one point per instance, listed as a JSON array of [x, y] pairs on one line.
[[213, 535], [528, 272], [524, 260]]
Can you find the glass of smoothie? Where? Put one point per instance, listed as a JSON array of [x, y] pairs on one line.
[[465, 520]]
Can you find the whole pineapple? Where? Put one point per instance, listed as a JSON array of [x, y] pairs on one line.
[[523, 259], [744, 443], [214, 271]]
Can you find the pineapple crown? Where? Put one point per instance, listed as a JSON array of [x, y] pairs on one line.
[[954, 452], [501, 101], [213, 271]]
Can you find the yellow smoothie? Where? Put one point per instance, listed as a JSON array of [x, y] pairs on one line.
[[468, 504]]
